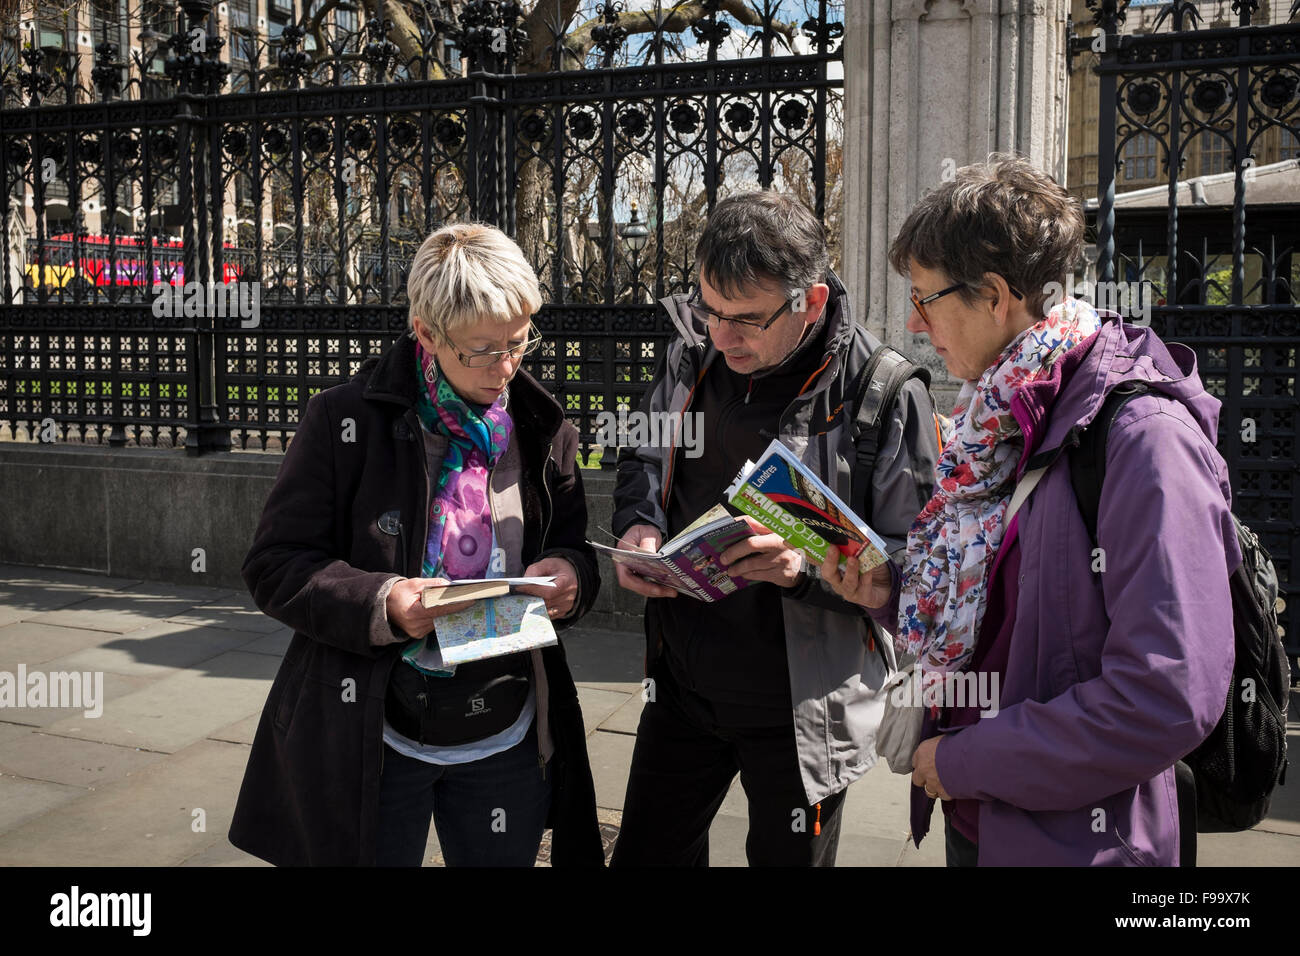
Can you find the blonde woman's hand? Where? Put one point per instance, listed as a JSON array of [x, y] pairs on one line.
[[870, 590], [560, 598], [405, 612]]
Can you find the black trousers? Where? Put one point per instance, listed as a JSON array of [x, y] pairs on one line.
[[682, 766]]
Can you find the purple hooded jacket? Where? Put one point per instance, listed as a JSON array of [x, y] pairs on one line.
[[1112, 677]]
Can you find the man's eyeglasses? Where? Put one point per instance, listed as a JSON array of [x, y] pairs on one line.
[[484, 359], [920, 303], [713, 320]]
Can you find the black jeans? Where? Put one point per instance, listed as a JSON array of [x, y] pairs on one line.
[[490, 812], [682, 766], [960, 851]]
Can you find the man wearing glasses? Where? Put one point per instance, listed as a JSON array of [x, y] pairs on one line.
[[781, 680]]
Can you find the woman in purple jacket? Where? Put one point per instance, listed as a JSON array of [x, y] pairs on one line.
[[1095, 667]]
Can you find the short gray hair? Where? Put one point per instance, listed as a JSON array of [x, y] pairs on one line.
[[1005, 216], [468, 272], [762, 235]]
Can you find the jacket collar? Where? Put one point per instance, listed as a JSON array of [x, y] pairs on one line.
[[838, 320], [1051, 411], [391, 378]]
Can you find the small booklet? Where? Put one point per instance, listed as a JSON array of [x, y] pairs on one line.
[[489, 628], [474, 589], [784, 495], [689, 562]]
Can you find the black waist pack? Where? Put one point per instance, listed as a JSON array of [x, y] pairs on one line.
[[481, 699]]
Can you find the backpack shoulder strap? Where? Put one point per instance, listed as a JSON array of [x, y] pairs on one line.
[[1088, 460], [875, 389]]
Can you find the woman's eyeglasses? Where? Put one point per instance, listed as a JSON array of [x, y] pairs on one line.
[[711, 320], [484, 359], [920, 303]]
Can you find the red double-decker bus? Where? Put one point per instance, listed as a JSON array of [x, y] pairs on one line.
[[129, 264]]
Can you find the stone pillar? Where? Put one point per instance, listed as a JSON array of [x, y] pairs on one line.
[[931, 85]]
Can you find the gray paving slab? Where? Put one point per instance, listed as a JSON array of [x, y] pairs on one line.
[[23, 800], [877, 804], [240, 732], [157, 650], [115, 687], [597, 705], [727, 845], [31, 644], [617, 687], [174, 712], [232, 614], [144, 820], [79, 763], [929, 853], [274, 644], [119, 613], [193, 670], [197, 594], [55, 578], [1251, 848], [223, 853], [10, 732], [610, 756], [20, 602], [626, 718]]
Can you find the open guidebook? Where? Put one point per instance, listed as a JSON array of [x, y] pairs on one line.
[[689, 562], [781, 494]]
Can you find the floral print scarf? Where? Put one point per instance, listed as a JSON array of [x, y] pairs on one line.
[[460, 541], [460, 522], [953, 542]]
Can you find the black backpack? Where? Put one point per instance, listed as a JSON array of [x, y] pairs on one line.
[[1236, 768], [875, 389]]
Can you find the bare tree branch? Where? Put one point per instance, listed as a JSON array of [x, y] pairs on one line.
[[407, 37], [678, 20], [540, 25], [314, 24]]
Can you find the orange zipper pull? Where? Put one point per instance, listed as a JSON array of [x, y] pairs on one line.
[[817, 824]]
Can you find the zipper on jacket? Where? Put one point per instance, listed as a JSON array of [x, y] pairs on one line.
[[492, 516], [550, 507]]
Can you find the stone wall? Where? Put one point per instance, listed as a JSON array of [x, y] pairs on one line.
[[142, 513], [929, 86]]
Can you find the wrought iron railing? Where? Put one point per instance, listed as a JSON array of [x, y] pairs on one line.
[[1220, 278], [340, 154]]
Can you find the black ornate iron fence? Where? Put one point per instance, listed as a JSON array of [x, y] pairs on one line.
[[312, 164], [1217, 258]]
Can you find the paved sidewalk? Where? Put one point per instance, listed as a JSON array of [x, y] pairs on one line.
[[152, 782]]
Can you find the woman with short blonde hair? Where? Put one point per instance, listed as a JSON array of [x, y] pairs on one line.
[[467, 272], [456, 465]]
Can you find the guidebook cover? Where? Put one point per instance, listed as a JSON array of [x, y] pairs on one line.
[[689, 562], [784, 495]]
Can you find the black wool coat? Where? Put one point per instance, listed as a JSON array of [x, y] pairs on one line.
[[342, 518]]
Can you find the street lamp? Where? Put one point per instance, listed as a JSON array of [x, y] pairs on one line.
[[635, 235], [149, 46]]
